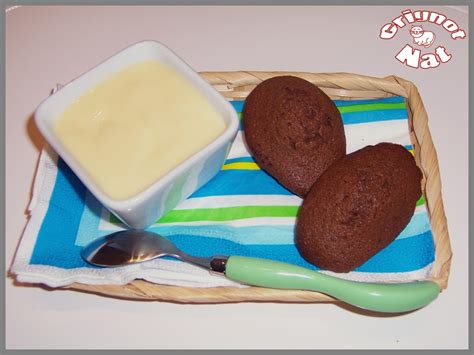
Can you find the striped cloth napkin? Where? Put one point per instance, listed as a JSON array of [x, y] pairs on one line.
[[242, 211]]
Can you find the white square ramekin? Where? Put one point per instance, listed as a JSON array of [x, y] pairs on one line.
[[145, 208]]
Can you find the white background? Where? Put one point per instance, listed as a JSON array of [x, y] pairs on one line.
[[45, 46]]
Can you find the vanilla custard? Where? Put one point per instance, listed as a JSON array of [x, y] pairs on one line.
[[136, 126]]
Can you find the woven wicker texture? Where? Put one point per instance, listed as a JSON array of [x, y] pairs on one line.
[[236, 86]]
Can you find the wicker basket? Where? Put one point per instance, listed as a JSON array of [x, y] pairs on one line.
[[237, 85]]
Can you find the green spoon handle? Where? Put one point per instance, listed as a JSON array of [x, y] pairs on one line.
[[390, 298]]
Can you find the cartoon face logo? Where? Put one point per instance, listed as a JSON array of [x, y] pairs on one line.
[[422, 37], [417, 31]]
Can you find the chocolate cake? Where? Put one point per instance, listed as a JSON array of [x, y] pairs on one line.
[[293, 130], [358, 206]]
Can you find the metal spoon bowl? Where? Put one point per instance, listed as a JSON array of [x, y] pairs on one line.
[[135, 246]]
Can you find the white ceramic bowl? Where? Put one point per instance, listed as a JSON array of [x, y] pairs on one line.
[[148, 206]]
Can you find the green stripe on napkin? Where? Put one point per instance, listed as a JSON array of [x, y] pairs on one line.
[[224, 214], [371, 107]]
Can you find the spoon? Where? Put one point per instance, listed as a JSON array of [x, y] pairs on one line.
[[134, 246]]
